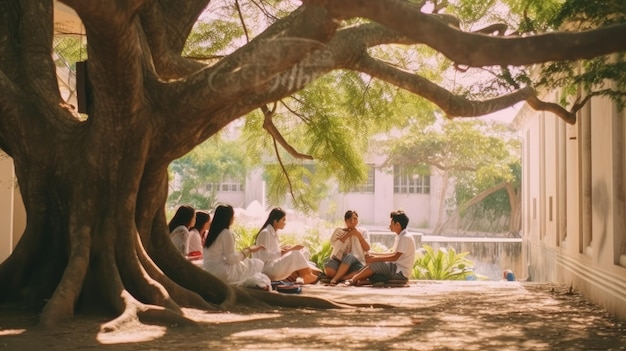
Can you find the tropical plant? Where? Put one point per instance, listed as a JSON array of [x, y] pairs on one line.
[[441, 264], [244, 236], [318, 245], [320, 253]]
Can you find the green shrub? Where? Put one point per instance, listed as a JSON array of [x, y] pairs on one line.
[[244, 236], [319, 247], [443, 264], [320, 254]]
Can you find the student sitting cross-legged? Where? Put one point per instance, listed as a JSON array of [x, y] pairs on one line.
[[396, 265], [350, 247]]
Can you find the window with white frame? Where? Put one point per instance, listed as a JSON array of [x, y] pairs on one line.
[[368, 185], [408, 182], [227, 185]]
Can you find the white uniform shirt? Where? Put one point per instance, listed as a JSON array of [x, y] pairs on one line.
[[405, 244]]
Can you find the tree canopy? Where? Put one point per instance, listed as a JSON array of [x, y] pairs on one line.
[[476, 154], [208, 165], [95, 186]]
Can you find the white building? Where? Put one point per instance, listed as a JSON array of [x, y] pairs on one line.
[[573, 199], [383, 192]]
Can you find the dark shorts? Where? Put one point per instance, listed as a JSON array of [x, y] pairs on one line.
[[348, 259], [384, 271]]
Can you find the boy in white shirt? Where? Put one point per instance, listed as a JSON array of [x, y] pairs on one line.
[[396, 265]]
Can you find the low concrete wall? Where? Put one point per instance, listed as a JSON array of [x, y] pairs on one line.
[[491, 256]]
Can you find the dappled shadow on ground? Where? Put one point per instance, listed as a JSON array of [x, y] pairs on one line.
[[424, 316]]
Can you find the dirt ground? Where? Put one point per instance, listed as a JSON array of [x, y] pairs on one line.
[[424, 316]]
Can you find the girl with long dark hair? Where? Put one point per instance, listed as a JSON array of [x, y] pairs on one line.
[[184, 218], [282, 261], [220, 256], [197, 233]]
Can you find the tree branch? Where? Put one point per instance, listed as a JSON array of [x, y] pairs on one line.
[[282, 167], [117, 57], [35, 36], [269, 126], [269, 55], [474, 49], [497, 29], [104, 17], [243, 23], [539, 105], [166, 25], [268, 68], [580, 103], [453, 105]]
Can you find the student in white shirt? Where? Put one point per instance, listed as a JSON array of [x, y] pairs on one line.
[[281, 261], [220, 256], [184, 218], [396, 265], [350, 245]]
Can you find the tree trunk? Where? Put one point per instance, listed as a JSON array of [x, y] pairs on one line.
[[86, 244], [437, 228], [95, 190], [514, 200]]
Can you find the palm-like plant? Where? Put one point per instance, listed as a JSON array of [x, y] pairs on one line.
[[442, 264], [320, 253]]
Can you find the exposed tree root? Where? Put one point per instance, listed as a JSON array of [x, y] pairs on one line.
[[283, 300], [61, 305], [184, 297], [185, 274], [136, 312]]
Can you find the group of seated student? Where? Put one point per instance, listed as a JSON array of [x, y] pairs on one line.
[[220, 256], [352, 263], [212, 242], [188, 230], [395, 265]]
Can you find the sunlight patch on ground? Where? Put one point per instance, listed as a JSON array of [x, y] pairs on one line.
[[12, 332], [220, 318], [147, 333]]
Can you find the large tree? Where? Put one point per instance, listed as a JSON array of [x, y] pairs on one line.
[[94, 189], [477, 155]]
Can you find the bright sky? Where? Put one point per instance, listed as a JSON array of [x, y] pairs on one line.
[[507, 115]]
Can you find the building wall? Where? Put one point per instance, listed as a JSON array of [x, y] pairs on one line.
[[373, 207], [12, 213], [573, 201]]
